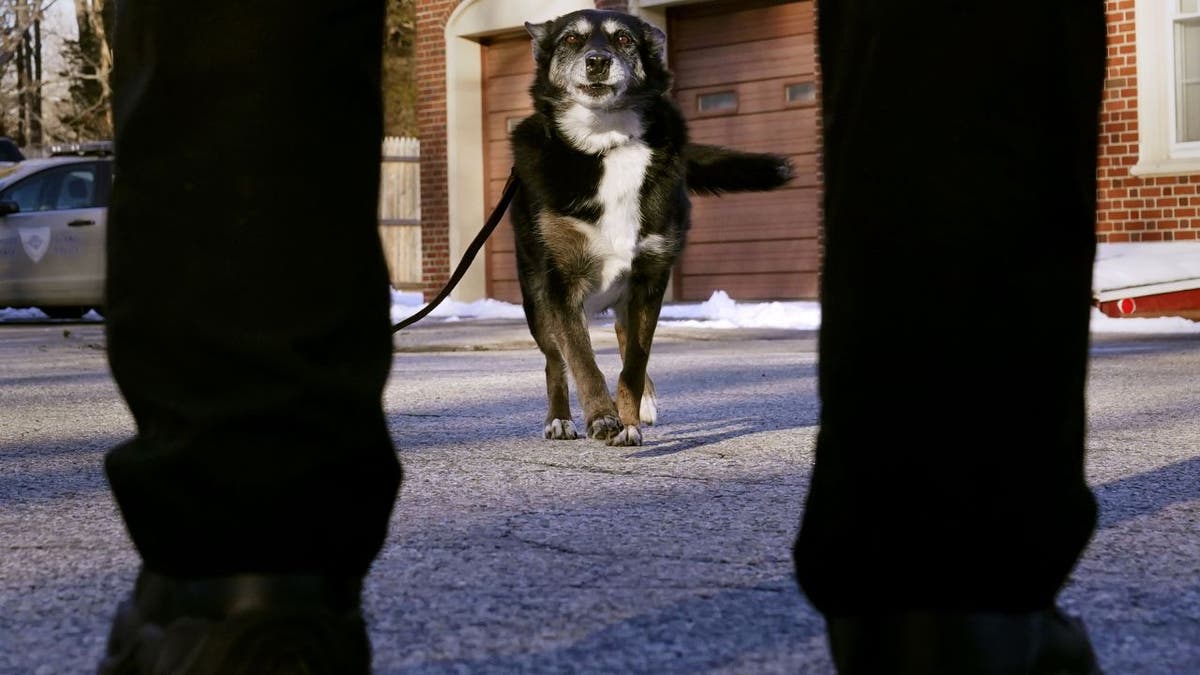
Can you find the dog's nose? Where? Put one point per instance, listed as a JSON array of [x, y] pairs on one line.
[[597, 64]]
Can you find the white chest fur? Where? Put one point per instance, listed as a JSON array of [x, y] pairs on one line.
[[615, 238], [616, 137]]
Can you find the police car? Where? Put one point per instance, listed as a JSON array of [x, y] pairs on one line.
[[53, 216]]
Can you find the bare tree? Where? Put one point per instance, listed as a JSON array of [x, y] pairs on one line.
[[399, 76], [21, 47], [29, 66], [16, 18], [90, 61]]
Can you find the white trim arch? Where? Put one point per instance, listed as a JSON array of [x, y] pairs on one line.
[[471, 21]]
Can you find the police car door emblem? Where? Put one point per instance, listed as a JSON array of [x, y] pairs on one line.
[[36, 241]]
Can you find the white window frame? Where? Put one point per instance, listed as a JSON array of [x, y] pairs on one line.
[[1159, 151], [1178, 148]]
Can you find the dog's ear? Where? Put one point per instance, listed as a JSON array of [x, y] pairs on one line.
[[656, 40], [539, 32]]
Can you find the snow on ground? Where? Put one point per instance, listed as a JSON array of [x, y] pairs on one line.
[[1141, 264], [1117, 266], [35, 314], [22, 314], [406, 303], [721, 311]]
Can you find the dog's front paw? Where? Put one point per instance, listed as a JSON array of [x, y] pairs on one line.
[[630, 435], [604, 427], [561, 430]]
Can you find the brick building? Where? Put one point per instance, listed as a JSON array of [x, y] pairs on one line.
[[745, 76], [1150, 124]]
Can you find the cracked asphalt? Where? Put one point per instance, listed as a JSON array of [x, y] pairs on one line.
[[509, 553]]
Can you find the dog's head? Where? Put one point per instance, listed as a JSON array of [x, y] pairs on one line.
[[598, 58]]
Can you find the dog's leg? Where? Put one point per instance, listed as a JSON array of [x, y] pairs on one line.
[[576, 345], [571, 274], [649, 408], [639, 315], [559, 425]]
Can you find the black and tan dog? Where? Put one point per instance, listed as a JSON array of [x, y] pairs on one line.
[[602, 211]]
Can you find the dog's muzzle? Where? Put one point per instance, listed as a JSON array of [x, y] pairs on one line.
[[596, 65], [597, 73]]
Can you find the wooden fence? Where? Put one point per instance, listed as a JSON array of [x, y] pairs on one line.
[[400, 210]]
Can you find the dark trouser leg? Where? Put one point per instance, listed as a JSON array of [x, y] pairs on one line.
[[960, 158], [247, 297]]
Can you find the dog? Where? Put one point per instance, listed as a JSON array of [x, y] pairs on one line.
[[602, 210]]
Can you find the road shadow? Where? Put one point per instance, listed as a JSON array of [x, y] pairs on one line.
[[700, 404], [1148, 493], [768, 623]]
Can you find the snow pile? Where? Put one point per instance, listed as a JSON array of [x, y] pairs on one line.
[[1117, 266], [721, 311], [35, 314], [22, 314], [1140, 264], [1130, 265], [406, 303]]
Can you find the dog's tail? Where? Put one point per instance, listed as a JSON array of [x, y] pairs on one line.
[[712, 169]]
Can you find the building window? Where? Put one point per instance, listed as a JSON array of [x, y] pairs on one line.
[[1186, 28], [804, 92], [1167, 46], [723, 101]]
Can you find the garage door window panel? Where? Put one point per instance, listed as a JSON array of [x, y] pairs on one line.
[[719, 102], [800, 93]]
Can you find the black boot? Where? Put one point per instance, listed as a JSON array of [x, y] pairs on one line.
[[1047, 642], [245, 624]]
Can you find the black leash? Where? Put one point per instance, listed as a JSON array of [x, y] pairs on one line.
[[469, 256]]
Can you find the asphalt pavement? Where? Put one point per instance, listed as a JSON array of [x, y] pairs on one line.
[[509, 553]]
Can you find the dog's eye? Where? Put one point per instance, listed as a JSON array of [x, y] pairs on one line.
[[572, 39], [624, 40]]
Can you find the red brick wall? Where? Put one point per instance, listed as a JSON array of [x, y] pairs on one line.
[[1133, 208], [431, 126]]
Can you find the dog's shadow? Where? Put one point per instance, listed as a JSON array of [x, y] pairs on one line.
[[693, 435], [698, 435], [708, 405]]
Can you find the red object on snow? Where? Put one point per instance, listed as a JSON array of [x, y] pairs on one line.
[[1181, 298]]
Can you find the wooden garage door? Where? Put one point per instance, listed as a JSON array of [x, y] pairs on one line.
[[507, 73], [744, 77]]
